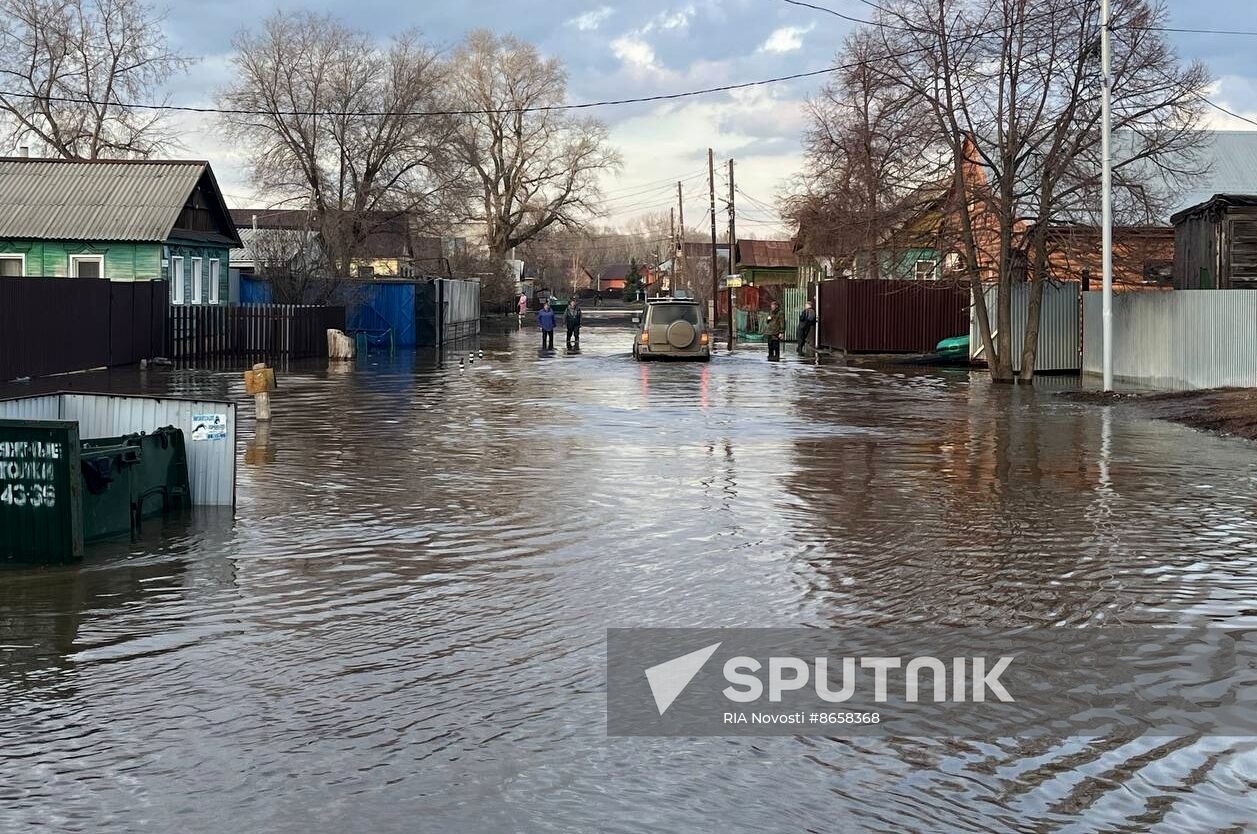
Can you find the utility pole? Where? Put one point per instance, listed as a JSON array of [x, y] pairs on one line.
[[1106, 186], [681, 236], [732, 241], [672, 236], [715, 266]]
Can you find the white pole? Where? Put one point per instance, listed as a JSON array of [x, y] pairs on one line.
[[1106, 185]]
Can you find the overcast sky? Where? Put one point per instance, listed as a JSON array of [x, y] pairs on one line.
[[618, 50]]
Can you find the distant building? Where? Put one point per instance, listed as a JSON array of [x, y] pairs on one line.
[[766, 263], [120, 220], [613, 277], [389, 248]]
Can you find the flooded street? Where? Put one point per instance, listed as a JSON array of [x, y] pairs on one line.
[[403, 626]]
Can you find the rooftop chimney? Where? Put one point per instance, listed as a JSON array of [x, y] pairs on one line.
[[24, 152]]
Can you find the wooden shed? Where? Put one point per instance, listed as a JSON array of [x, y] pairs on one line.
[[1215, 244]]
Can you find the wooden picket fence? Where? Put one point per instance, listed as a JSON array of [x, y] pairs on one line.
[[294, 331]]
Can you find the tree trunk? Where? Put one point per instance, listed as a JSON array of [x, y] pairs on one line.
[[1038, 274]]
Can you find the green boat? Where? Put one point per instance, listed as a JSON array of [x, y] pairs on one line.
[[955, 348]]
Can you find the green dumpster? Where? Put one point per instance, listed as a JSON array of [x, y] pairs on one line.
[[63, 492]]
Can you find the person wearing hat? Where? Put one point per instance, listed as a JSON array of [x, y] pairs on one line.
[[774, 329], [545, 320]]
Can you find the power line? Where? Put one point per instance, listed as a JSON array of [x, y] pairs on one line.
[[1192, 31], [883, 10], [1226, 110], [548, 108]]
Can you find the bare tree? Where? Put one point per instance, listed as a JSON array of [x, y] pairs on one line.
[[330, 118], [292, 260], [531, 168], [867, 168], [1011, 89], [70, 71]]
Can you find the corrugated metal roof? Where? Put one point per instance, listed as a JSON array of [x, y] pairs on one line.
[[55, 199], [1231, 156], [767, 253]]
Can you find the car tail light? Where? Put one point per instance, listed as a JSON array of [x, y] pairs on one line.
[[702, 340], [645, 337]]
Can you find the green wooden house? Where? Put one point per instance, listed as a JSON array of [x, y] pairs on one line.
[[117, 220], [767, 263]]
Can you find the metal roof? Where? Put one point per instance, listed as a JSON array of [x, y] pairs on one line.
[[1217, 200], [56, 199], [770, 254]]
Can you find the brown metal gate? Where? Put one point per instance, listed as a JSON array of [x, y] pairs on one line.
[[889, 316]]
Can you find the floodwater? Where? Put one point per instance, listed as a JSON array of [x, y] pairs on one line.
[[402, 628]]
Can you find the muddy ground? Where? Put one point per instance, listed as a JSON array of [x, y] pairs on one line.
[[1229, 411]]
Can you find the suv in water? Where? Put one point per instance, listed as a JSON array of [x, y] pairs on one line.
[[672, 328]]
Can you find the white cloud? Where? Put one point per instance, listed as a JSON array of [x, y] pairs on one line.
[[661, 143], [636, 54], [785, 39], [589, 21], [669, 20]]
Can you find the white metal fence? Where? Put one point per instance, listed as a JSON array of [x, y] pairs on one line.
[[1177, 339], [460, 300], [211, 453], [1058, 326]]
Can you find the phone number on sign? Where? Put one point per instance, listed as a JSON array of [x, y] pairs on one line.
[[22, 495]]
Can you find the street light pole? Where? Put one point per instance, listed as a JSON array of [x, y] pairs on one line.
[[1106, 187]]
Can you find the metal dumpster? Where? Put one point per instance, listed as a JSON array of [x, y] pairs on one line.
[[58, 492], [130, 478]]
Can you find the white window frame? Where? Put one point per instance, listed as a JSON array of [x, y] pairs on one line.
[[214, 272], [15, 256], [933, 262], [196, 280], [75, 260], [176, 279]]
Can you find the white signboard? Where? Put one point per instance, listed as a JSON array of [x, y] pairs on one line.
[[209, 427]]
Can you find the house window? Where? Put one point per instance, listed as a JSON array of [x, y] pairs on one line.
[[213, 281], [1158, 272], [366, 272], [87, 266], [176, 280], [12, 266], [927, 270], [196, 281]]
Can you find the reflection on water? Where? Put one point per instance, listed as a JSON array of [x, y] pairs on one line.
[[402, 628]]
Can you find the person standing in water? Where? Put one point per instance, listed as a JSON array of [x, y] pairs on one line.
[[774, 329], [572, 318], [545, 320], [807, 320]]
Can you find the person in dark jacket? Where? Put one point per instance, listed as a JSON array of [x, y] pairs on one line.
[[807, 320], [545, 320], [571, 317], [774, 329]]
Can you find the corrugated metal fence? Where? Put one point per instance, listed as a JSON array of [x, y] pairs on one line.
[[888, 316], [460, 305], [252, 330], [1176, 339], [211, 457], [1059, 327], [57, 325]]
